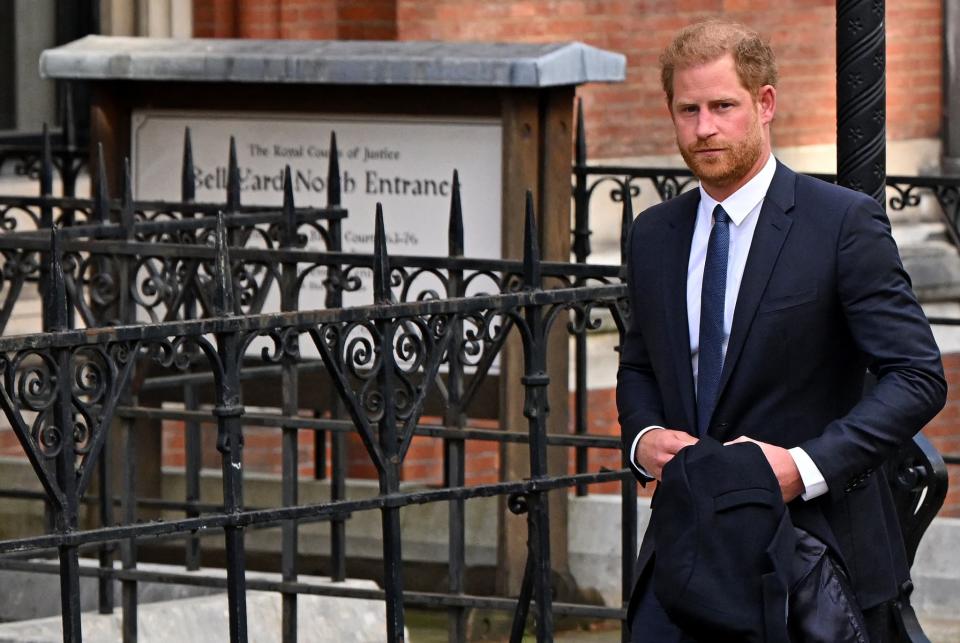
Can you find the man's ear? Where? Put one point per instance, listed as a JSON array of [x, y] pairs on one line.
[[767, 101]]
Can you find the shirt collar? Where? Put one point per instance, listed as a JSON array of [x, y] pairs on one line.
[[742, 202]]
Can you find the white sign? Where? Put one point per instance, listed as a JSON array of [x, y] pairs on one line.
[[404, 163]]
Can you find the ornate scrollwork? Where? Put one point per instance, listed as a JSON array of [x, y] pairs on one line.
[[360, 354], [92, 376], [474, 282], [948, 196], [13, 216], [425, 283], [669, 186], [314, 232], [411, 344], [251, 280], [483, 332], [46, 436], [584, 317], [282, 343], [34, 375], [617, 193], [183, 353], [155, 285], [907, 196]]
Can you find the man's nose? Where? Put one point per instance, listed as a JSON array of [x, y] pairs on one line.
[[706, 125]]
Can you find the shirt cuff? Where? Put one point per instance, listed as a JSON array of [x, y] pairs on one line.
[[633, 451], [814, 483]]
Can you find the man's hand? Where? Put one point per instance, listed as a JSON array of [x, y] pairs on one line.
[[657, 447], [783, 465]]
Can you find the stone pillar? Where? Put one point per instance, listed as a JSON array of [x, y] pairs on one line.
[[156, 18]]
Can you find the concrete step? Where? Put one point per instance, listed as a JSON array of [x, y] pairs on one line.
[[200, 617]]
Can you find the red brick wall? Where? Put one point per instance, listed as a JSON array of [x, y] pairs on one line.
[[308, 20], [296, 19], [367, 19], [630, 118], [914, 65], [944, 434], [214, 18]]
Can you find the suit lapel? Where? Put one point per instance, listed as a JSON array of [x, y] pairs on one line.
[[675, 256], [772, 229]]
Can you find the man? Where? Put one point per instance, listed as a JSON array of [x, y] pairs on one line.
[[758, 304]]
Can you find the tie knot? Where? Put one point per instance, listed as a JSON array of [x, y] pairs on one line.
[[720, 215]]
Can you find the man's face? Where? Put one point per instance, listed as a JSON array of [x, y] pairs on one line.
[[720, 126]]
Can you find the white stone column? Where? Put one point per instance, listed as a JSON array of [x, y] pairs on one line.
[[951, 86], [155, 18]]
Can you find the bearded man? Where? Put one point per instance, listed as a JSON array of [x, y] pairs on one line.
[[759, 302]]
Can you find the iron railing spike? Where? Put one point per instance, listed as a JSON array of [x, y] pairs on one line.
[[223, 276], [381, 261], [581, 214], [188, 186], [46, 179], [46, 163], [531, 249], [455, 238], [68, 124], [289, 210], [126, 209], [54, 291], [626, 219], [581, 139], [233, 179], [333, 173], [101, 205]]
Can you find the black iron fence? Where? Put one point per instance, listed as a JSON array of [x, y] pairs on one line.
[[68, 148], [160, 289]]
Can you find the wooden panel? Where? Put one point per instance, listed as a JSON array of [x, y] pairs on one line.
[[109, 126], [556, 141], [521, 168]]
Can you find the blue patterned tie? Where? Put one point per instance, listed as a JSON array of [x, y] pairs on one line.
[[710, 359]]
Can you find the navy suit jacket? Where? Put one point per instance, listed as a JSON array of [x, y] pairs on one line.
[[824, 298]]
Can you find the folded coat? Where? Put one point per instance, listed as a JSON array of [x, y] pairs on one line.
[[731, 566]]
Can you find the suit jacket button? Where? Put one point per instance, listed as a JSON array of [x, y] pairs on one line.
[[722, 425]]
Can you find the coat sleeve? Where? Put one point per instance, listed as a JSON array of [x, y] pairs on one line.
[[890, 329], [639, 403]]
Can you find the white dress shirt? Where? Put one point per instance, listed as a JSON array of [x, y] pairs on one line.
[[743, 208]]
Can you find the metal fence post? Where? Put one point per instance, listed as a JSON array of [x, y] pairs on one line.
[[290, 407], [105, 597], [68, 126], [58, 436], [230, 439], [338, 449], [628, 486], [535, 381], [581, 250], [128, 496], [861, 97], [454, 454], [389, 474], [192, 436]]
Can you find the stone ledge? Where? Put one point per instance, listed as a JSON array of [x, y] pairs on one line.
[[199, 618], [332, 62]]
